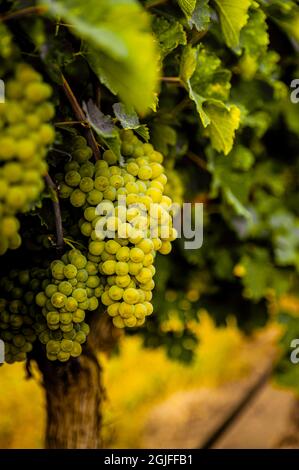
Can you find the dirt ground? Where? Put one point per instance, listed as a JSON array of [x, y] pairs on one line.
[[192, 419]]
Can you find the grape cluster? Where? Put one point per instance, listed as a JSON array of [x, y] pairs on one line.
[[174, 187], [124, 237], [19, 321], [6, 43], [25, 136], [74, 288]]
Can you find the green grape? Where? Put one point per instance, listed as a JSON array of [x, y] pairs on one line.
[[66, 345], [78, 198], [131, 296], [112, 247], [86, 184], [80, 337], [65, 191], [65, 288], [86, 229], [101, 183], [66, 328], [94, 197], [110, 157], [53, 318], [73, 178], [65, 318], [122, 281], [41, 299], [78, 316], [57, 268], [63, 356], [96, 248], [80, 294], [116, 293], [71, 304], [37, 92], [76, 349], [70, 271], [109, 267], [77, 259], [87, 169], [93, 303]]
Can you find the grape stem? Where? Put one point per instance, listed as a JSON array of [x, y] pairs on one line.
[[79, 113], [176, 80], [200, 162], [56, 207], [154, 3], [70, 242], [37, 10]]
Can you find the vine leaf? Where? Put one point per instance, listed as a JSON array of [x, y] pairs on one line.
[[170, 35], [116, 34], [261, 275], [234, 186], [201, 15], [103, 126], [187, 6], [197, 12], [233, 15], [208, 84], [129, 119]]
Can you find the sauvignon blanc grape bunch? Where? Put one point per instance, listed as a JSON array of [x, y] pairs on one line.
[[126, 257], [25, 135], [19, 320], [72, 290]]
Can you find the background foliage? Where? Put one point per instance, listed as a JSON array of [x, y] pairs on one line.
[[207, 82]]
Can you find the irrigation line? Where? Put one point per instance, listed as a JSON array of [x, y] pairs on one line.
[[241, 406]]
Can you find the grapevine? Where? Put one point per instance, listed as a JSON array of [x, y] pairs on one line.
[[25, 137]]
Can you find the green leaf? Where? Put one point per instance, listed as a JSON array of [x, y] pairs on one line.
[[261, 275], [224, 121], [233, 16], [201, 15], [170, 34], [188, 63], [208, 84], [254, 41], [104, 127], [128, 119], [254, 37], [198, 13], [291, 115], [162, 136], [285, 238], [233, 185], [187, 6], [120, 45]]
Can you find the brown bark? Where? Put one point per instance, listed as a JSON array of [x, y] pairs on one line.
[[73, 396], [74, 392]]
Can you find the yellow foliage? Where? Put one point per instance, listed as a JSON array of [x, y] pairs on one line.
[[22, 409], [139, 378], [135, 380]]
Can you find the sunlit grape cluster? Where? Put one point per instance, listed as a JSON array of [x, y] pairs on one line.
[[175, 186], [19, 321], [72, 289], [124, 237], [25, 136], [6, 43]]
